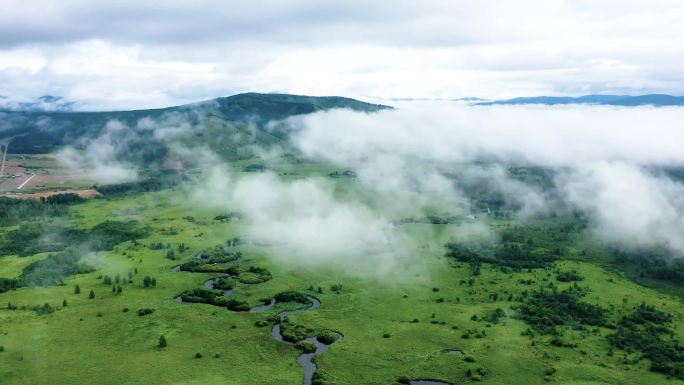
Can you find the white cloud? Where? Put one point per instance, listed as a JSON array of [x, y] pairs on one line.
[[129, 54], [628, 204]]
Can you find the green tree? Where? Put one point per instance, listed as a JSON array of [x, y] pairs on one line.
[[119, 290], [162, 341], [91, 295], [64, 303], [117, 279], [107, 280], [77, 289], [153, 282], [147, 281]]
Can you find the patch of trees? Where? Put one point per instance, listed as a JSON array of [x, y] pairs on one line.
[[212, 297], [14, 211], [62, 199], [42, 236], [105, 235], [569, 276], [326, 337], [647, 330], [160, 181], [343, 174], [546, 310], [294, 333], [493, 316], [9, 284], [224, 283], [306, 346], [292, 296], [254, 275], [53, 269], [654, 263], [149, 281], [212, 264], [39, 237], [510, 254], [45, 309], [219, 254]]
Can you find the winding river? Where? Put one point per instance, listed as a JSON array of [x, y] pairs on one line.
[[304, 359]]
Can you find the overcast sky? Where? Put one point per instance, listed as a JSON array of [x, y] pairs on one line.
[[139, 54]]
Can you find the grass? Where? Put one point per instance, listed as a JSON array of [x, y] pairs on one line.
[[94, 341]]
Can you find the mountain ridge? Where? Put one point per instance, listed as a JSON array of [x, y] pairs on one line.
[[659, 100]]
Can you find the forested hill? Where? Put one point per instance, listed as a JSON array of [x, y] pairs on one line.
[[46, 131], [658, 100]]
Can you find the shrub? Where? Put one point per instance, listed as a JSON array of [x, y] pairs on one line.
[[261, 323], [292, 296], [569, 276], [91, 295], [145, 311], [162, 341], [306, 346], [327, 337]]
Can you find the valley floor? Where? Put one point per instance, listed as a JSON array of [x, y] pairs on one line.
[[399, 324]]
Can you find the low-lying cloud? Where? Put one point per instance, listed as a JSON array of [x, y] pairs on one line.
[[304, 221], [602, 158]]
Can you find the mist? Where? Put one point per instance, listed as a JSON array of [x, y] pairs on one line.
[[429, 159], [100, 158], [604, 159]]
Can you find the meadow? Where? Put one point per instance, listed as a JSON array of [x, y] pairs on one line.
[[440, 321]]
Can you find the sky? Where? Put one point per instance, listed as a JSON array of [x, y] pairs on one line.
[[128, 54]]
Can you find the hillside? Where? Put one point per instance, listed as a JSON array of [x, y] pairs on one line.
[[43, 131], [612, 100]]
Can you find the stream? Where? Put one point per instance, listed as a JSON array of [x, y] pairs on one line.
[[305, 359]]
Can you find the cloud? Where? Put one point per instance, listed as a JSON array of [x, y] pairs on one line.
[[99, 157], [453, 132], [604, 161], [629, 205], [304, 222], [88, 52]]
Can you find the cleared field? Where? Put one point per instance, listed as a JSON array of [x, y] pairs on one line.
[[31, 173]]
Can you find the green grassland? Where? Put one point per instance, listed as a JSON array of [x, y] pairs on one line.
[[392, 326]]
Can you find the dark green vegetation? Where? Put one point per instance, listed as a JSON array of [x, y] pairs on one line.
[[547, 309], [224, 119], [649, 331], [14, 211]]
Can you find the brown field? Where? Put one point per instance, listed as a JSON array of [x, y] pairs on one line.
[[43, 174]]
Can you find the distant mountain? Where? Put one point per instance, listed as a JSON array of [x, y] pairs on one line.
[[228, 123], [612, 100], [43, 103]]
